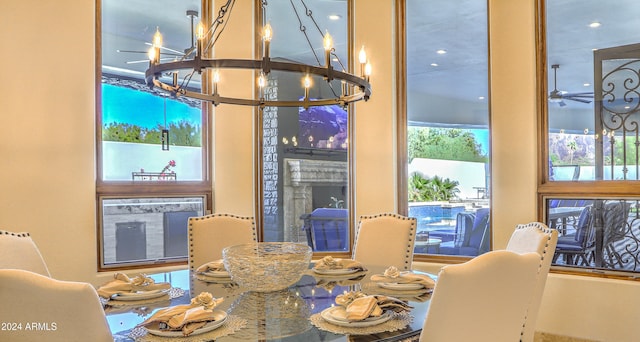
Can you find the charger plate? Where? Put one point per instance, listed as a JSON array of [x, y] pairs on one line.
[[131, 296], [401, 286], [216, 274], [220, 315], [337, 271], [335, 315]]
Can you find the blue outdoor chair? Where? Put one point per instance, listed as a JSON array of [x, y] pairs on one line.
[[580, 245], [327, 229], [471, 239]]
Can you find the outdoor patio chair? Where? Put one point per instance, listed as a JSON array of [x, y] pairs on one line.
[[615, 227], [470, 239], [327, 229], [578, 248]]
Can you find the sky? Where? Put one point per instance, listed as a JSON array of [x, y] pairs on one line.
[[140, 108], [482, 137]]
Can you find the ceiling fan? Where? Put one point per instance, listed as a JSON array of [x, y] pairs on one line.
[[558, 96], [165, 51]]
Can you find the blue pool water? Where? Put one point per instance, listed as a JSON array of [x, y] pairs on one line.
[[437, 219], [432, 213]]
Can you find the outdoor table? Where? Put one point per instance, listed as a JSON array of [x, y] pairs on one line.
[[562, 213]]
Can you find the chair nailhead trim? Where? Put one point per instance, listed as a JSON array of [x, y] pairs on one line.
[[24, 234]]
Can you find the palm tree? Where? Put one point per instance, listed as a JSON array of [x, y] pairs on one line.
[[423, 189]]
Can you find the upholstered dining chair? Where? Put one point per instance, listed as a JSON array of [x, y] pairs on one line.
[[534, 237], [209, 234], [17, 250], [385, 239], [49, 309], [483, 299]]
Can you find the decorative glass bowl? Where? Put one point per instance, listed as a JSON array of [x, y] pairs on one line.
[[267, 266]]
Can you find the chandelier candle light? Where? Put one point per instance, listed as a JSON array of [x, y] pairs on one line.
[[353, 88]]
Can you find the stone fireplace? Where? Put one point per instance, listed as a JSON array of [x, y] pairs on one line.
[[300, 177]]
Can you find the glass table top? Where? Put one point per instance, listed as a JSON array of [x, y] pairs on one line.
[[272, 316]]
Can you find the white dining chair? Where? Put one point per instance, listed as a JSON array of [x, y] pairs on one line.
[[385, 239], [483, 300], [17, 250], [210, 234], [534, 237], [49, 310]]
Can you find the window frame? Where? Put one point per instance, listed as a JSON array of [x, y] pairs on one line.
[[132, 189], [260, 127], [402, 130], [548, 189]]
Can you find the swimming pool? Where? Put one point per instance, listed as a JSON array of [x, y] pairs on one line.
[[438, 218]]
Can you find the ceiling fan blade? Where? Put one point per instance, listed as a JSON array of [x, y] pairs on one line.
[[147, 61], [577, 99], [130, 51], [180, 53], [586, 94]]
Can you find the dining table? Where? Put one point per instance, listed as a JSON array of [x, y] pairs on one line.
[[292, 314]]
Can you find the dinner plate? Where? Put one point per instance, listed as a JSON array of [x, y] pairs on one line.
[[216, 274], [220, 316], [400, 286], [125, 296], [337, 271], [335, 315]]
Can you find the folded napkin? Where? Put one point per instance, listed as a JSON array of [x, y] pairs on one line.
[[186, 317], [331, 263], [392, 275], [123, 284], [212, 266], [359, 306]]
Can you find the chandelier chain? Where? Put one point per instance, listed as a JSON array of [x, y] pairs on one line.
[[303, 29], [225, 10]]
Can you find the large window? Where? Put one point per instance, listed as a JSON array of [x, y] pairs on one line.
[[447, 126], [590, 114], [152, 164], [305, 169]]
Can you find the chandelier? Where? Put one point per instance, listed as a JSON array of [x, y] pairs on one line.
[[353, 87]]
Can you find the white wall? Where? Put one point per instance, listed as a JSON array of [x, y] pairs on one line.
[[150, 158], [469, 175], [47, 147]]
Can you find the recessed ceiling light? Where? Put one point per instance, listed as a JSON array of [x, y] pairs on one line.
[[441, 51], [480, 97], [334, 17], [587, 84], [594, 24], [434, 64]]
